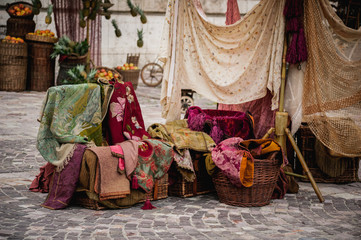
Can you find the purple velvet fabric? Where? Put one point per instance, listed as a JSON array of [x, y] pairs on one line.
[[220, 124], [64, 183]]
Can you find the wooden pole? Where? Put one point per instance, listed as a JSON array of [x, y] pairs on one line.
[[283, 77], [304, 165]]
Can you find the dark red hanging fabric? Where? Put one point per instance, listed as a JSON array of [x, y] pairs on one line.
[[66, 18], [263, 116], [297, 50], [232, 14]]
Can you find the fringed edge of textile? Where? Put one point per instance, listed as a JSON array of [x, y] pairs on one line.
[[68, 157]]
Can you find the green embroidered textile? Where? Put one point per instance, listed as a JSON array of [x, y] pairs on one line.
[[70, 114]]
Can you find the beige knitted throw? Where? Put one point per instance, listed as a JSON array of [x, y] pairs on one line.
[[332, 81]]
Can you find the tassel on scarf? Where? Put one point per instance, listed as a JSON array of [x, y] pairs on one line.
[[148, 205], [135, 182], [301, 46], [291, 56]]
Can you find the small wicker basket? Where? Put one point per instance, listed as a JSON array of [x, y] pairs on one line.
[[119, 79], [266, 172], [131, 76], [26, 4]]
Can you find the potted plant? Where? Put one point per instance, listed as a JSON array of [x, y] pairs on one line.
[[70, 54]]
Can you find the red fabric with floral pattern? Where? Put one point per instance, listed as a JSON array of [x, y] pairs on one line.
[[124, 119]]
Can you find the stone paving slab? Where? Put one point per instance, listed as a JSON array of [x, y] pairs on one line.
[[297, 216]]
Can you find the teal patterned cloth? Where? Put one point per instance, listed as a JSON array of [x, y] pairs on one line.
[[154, 160], [71, 114]]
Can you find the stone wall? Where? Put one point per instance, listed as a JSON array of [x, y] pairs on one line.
[[114, 50]]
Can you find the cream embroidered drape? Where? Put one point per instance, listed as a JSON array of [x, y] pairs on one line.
[[226, 64]]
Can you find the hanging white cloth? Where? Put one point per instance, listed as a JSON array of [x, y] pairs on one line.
[[227, 64]]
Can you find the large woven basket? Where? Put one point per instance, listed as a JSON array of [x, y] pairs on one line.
[[19, 27], [41, 71], [201, 185], [160, 191], [266, 172], [68, 63], [306, 141], [13, 66], [131, 76]]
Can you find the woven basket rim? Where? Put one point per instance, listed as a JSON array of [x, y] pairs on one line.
[[38, 38], [130, 70], [22, 45]]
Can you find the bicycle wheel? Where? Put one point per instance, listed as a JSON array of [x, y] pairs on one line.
[[186, 102], [152, 74]]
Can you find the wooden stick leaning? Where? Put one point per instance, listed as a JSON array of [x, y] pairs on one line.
[[281, 131]]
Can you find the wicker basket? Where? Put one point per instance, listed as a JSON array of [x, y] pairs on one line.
[[266, 172], [160, 191], [19, 27], [38, 38], [13, 66], [41, 67], [131, 76], [67, 64], [114, 71], [202, 184], [26, 4], [306, 141]]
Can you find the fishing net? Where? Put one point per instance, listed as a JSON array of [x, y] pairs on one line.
[[332, 82]]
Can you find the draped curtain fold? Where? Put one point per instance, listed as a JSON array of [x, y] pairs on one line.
[[263, 115], [66, 17], [227, 64]]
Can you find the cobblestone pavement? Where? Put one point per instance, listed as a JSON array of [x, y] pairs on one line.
[[297, 216]]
